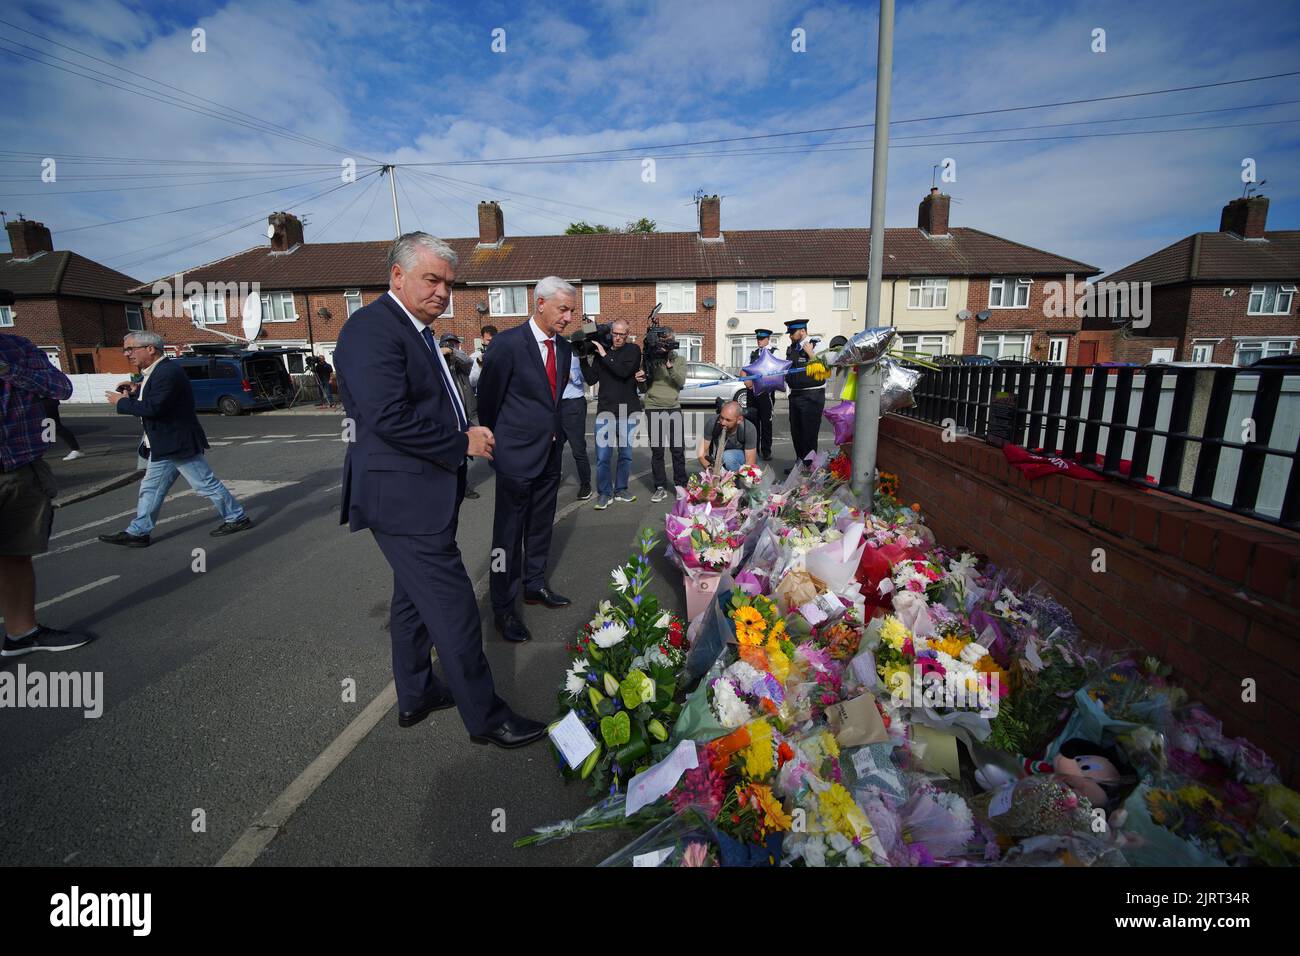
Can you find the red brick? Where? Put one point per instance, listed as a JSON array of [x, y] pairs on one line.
[[1145, 521], [1199, 548], [1069, 488], [1191, 668], [1283, 649], [1273, 570], [1221, 613], [1103, 500], [1083, 498], [1232, 555], [1172, 533], [1121, 515]]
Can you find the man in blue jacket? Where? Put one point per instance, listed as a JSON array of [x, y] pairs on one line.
[[173, 443]]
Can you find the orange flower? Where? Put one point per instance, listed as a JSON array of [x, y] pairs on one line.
[[725, 747]]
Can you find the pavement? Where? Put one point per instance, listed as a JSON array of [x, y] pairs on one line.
[[228, 733]]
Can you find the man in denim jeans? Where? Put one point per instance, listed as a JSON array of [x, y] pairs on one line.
[[617, 371], [173, 442]]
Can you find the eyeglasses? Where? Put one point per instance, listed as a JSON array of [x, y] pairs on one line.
[[619, 335]]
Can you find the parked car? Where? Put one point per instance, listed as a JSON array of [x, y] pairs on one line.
[[234, 381], [717, 382]]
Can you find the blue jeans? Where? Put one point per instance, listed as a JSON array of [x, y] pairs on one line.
[[158, 479], [612, 430], [326, 392], [733, 459]]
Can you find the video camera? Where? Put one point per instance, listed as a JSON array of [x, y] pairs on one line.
[[659, 342], [584, 340]]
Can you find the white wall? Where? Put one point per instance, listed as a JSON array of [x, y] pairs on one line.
[[90, 389]]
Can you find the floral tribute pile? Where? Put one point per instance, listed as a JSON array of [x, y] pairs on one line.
[[855, 694]]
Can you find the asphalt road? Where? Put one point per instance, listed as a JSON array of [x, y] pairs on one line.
[[221, 686]]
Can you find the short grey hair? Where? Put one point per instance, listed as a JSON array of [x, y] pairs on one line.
[[549, 286], [402, 252], [733, 404], [145, 340]]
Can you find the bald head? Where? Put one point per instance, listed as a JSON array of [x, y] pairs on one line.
[[730, 415]]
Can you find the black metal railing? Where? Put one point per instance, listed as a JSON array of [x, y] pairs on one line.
[[1225, 437]]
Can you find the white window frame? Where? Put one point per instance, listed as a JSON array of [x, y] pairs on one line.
[[924, 343], [6, 317], [692, 347], [1063, 341], [269, 299], [1162, 355], [936, 289], [685, 291], [740, 347], [1274, 291], [52, 353], [1266, 347], [1002, 284], [1203, 350], [845, 287], [138, 325], [451, 305], [594, 291], [214, 304], [349, 296], [747, 291], [497, 305], [1002, 339]]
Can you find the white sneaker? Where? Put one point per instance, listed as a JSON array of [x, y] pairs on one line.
[[73, 456]]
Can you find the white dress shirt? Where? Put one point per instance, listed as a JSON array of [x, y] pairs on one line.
[[542, 338], [576, 386], [442, 361]]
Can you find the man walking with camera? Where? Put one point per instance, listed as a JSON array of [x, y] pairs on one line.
[[665, 377], [615, 370], [763, 403]]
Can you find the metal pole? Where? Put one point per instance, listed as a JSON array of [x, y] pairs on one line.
[[866, 425], [392, 187]]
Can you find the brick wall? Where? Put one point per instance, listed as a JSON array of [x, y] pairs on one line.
[[89, 327], [1029, 319], [1215, 596], [1211, 315]]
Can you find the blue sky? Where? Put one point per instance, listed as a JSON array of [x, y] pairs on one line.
[[420, 83]]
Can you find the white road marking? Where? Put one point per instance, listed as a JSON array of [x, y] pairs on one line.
[[81, 544], [262, 442], [238, 437], [218, 444], [73, 593], [301, 441], [327, 435], [279, 436]]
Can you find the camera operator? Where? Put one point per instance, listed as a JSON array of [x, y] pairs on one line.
[[665, 376], [485, 336], [762, 404], [616, 369]]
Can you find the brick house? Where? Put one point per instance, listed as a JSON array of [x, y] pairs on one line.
[[72, 308], [716, 286], [1227, 297]]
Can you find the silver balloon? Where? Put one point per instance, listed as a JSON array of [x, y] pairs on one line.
[[896, 391], [867, 347]]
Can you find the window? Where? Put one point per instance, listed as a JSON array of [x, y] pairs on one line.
[[227, 370], [755, 297], [706, 373], [53, 356], [196, 371], [277, 307], [1270, 299], [1013, 345], [451, 305], [1203, 351], [1009, 293], [508, 300], [352, 300], [1252, 350], [927, 294], [1160, 356], [1057, 350], [675, 296], [297, 362], [742, 346], [134, 320], [925, 344], [208, 309], [6, 316], [691, 347], [840, 295], [591, 299]]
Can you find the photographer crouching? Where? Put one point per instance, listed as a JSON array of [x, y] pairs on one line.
[[665, 375], [613, 363]]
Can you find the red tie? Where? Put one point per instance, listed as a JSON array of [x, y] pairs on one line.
[[550, 365]]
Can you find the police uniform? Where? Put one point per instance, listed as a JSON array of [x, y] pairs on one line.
[[760, 406], [807, 396]]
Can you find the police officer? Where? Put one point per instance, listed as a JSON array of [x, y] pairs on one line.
[[762, 404], [807, 395]]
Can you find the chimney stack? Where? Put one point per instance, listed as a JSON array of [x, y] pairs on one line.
[[27, 238], [491, 224], [1245, 217], [710, 217], [932, 216], [287, 231]]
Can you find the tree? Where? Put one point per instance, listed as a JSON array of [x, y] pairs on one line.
[[583, 228], [586, 229]]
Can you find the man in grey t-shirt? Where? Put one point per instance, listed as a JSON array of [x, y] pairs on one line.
[[738, 437]]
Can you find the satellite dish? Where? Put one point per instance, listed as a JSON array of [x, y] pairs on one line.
[[270, 231], [252, 316], [963, 315], [733, 322], [983, 316]]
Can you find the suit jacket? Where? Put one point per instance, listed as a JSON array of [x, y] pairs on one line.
[[402, 470], [167, 411], [515, 400]]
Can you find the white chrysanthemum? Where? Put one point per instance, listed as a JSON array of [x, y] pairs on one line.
[[744, 675], [716, 555], [620, 579], [731, 710], [612, 633], [664, 620], [574, 681], [853, 857], [814, 851], [838, 841], [972, 652]]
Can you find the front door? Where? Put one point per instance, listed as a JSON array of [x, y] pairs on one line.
[[1087, 353]]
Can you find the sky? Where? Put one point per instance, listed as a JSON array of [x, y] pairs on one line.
[[151, 187]]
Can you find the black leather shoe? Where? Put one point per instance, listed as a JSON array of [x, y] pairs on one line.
[[516, 731], [126, 540], [413, 717], [546, 596], [471, 494], [512, 629], [232, 527]]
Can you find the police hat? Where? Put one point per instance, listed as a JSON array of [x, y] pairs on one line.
[[762, 333], [794, 325], [449, 337]]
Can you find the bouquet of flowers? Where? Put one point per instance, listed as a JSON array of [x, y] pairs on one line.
[[706, 488], [703, 542]]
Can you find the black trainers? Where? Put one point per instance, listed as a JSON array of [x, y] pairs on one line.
[[44, 639], [472, 494], [584, 492], [231, 527], [126, 540]]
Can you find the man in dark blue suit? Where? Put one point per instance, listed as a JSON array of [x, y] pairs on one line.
[[404, 479], [173, 442], [519, 399]]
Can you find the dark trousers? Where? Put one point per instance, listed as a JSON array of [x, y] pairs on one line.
[[521, 532], [667, 430], [762, 405], [433, 607], [806, 420], [573, 420], [61, 430]]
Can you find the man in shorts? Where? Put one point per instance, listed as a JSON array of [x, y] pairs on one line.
[[27, 493]]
